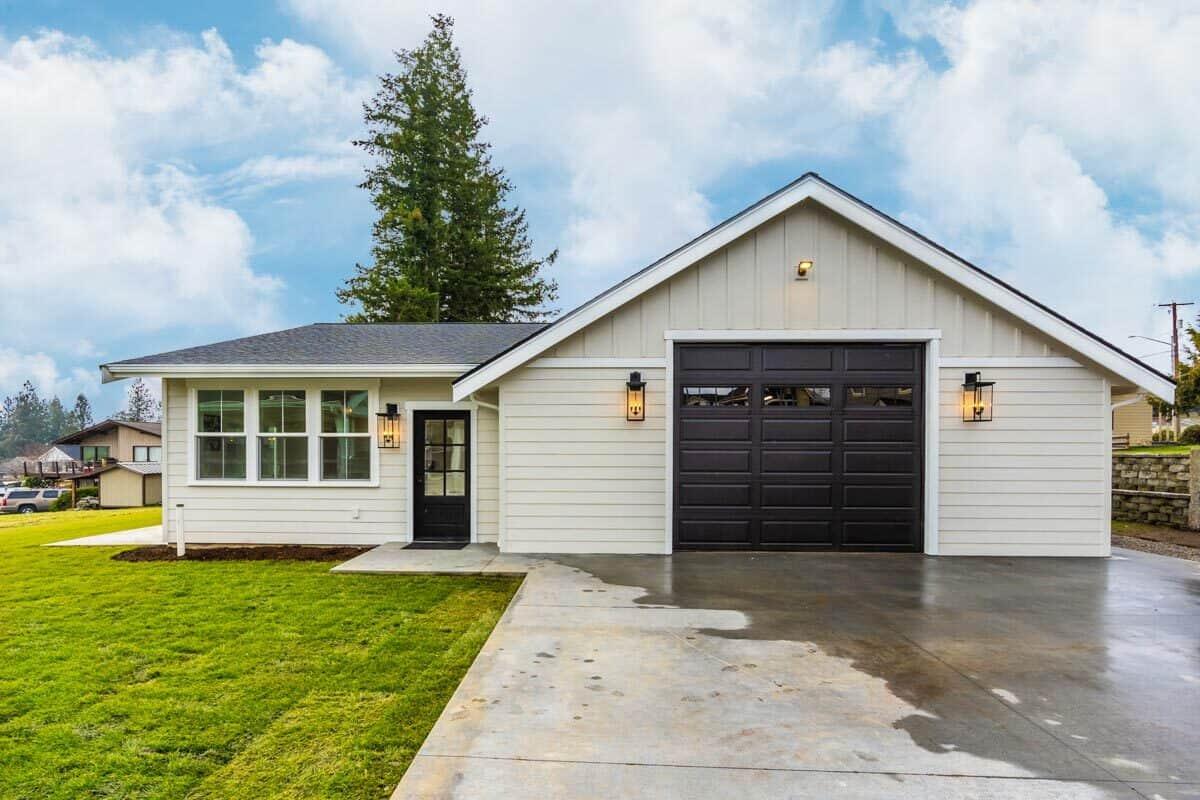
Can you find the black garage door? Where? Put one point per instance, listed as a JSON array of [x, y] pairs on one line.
[[794, 447]]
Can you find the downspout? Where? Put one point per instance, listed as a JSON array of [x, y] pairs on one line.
[[1137, 398], [472, 398]]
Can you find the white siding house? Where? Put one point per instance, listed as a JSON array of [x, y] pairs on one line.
[[821, 410]]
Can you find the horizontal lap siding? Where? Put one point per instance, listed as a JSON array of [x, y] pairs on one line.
[[1033, 481], [319, 514], [579, 477]]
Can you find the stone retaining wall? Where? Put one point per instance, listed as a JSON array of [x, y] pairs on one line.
[[1160, 490]]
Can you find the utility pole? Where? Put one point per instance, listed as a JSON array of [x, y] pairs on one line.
[[1175, 352]]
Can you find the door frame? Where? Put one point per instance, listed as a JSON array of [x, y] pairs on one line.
[[931, 338], [410, 492]]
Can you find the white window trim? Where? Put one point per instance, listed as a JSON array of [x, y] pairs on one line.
[[410, 492], [312, 400], [930, 338]]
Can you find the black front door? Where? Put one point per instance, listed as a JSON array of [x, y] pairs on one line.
[[441, 476]]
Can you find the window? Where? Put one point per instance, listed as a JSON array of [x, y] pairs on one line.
[[91, 453], [221, 434], [282, 440], [445, 457], [345, 436], [50, 494], [795, 396], [725, 396], [147, 453], [880, 396]]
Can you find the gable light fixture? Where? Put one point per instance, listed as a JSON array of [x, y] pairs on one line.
[[976, 398], [635, 398], [389, 427], [803, 268]]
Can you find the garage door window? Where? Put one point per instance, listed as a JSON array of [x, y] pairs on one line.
[[879, 396], [716, 396], [795, 396]]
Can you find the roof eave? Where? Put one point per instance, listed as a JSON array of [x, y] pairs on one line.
[[119, 371]]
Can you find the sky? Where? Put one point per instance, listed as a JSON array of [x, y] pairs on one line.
[[174, 174]]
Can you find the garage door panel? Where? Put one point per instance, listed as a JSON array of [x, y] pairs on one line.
[[714, 532], [791, 495], [714, 359], [878, 430], [877, 534], [802, 461], [818, 448], [714, 429], [797, 430], [877, 496], [878, 462], [709, 461], [722, 495], [816, 533], [880, 359], [797, 358]]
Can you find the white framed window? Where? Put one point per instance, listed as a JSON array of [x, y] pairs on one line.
[[345, 435], [282, 435], [221, 434], [143, 452]]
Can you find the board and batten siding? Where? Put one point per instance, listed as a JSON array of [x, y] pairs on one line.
[[858, 281], [579, 477], [1034, 480], [314, 514]]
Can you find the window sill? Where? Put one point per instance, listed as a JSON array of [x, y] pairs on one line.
[[362, 484]]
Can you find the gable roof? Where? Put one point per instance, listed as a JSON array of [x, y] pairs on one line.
[[154, 428], [71, 452], [812, 186], [140, 467], [442, 348]]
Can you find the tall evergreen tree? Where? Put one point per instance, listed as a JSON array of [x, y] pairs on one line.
[[23, 422], [140, 405], [447, 246], [81, 414]]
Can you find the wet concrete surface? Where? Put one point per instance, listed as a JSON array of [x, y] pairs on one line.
[[811, 675]]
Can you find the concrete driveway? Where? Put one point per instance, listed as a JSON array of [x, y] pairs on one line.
[[805, 675]]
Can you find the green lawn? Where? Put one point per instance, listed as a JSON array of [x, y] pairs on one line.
[[218, 679], [1157, 450]]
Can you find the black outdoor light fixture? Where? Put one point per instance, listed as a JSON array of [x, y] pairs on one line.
[[389, 427], [977, 399], [635, 398]]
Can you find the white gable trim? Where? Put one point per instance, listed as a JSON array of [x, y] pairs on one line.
[[810, 186]]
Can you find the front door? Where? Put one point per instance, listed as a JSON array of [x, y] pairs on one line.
[[441, 476]]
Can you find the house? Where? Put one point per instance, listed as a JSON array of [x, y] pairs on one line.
[[126, 484], [810, 374], [75, 457], [1133, 421]]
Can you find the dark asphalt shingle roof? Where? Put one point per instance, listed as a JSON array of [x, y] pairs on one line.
[[346, 343]]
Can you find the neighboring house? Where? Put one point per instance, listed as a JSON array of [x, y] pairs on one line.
[[78, 456], [804, 369], [1132, 421], [130, 483]]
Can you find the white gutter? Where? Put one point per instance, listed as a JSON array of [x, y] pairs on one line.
[[474, 399], [115, 372], [1137, 398]]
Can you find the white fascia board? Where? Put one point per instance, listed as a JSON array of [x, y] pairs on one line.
[[865, 217], [823, 335], [114, 372]]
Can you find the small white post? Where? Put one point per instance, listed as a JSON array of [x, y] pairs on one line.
[[179, 546]]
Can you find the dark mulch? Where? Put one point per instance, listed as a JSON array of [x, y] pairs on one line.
[[282, 552]]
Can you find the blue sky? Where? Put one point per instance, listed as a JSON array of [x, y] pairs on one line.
[[181, 172]]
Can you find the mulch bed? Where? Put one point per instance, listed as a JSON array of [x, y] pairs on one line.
[[284, 552], [1156, 539]]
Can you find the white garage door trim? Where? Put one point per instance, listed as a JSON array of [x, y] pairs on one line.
[[930, 338]]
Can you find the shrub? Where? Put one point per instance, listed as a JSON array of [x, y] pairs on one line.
[[1190, 435], [65, 501]]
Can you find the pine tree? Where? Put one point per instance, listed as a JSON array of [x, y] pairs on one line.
[[81, 414], [23, 422], [447, 247], [140, 405]]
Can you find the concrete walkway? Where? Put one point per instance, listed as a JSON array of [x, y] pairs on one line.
[[135, 536], [822, 675]]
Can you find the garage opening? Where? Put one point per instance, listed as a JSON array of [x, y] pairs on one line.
[[798, 446]]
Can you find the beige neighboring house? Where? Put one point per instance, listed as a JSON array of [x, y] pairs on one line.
[[1133, 418], [130, 483], [810, 374]]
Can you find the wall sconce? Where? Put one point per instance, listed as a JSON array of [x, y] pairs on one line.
[[802, 270], [976, 399], [635, 398], [389, 427]]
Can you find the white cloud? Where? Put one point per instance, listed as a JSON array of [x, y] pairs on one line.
[[108, 229], [43, 372]]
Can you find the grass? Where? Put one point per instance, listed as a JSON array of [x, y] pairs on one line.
[[218, 679], [1157, 450]]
